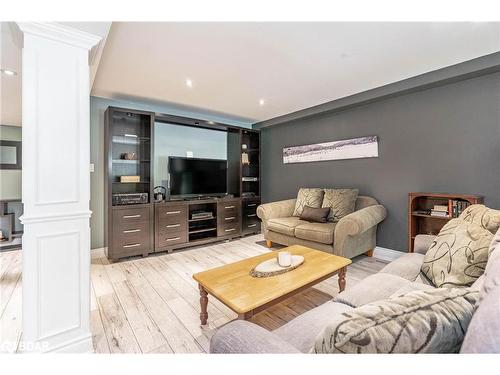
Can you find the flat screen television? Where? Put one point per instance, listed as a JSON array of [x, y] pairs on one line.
[[194, 177]]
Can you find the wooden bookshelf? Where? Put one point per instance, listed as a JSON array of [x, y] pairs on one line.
[[420, 222]]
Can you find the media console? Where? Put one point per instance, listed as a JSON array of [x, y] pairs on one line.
[[149, 227]]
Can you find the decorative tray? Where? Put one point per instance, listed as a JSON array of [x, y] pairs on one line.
[[272, 268]]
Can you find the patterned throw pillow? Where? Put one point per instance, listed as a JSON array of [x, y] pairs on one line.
[[341, 202], [481, 215], [458, 255], [312, 197], [423, 321]]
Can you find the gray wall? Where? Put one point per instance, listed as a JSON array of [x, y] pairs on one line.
[[444, 139], [97, 108]]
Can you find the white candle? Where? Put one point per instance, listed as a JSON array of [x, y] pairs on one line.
[[284, 259]]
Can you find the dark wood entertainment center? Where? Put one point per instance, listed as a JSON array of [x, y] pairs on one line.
[[145, 228]]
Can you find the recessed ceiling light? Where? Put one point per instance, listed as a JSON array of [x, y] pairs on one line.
[[8, 72], [262, 102], [189, 83]]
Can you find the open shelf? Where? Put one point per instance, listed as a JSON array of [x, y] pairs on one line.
[[202, 230], [125, 161], [126, 140], [202, 219], [432, 217]]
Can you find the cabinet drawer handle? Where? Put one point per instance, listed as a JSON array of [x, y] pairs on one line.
[[230, 218], [131, 231], [133, 245], [252, 215], [252, 225], [131, 216], [173, 212], [228, 207], [252, 205], [229, 230], [173, 225], [173, 239]]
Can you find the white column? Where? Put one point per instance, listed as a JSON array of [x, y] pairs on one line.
[[56, 188]]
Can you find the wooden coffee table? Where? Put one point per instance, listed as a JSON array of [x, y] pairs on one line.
[[246, 295]]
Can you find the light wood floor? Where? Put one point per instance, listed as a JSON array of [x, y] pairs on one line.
[[151, 305]]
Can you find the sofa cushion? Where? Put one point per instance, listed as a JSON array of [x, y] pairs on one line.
[[316, 215], [458, 255], [372, 288], [424, 321], [411, 288], [340, 201], [312, 197], [284, 225], [317, 232], [483, 334], [241, 336], [479, 214], [303, 330], [407, 266]]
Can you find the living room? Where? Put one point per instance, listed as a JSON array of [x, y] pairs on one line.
[[249, 187]]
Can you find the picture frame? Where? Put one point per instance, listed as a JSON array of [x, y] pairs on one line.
[[10, 154]]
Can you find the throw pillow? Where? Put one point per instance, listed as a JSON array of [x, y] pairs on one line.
[[481, 215], [317, 215], [458, 255], [312, 197], [341, 202], [424, 321]]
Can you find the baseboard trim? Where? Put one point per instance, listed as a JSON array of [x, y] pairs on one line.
[[386, 254], [98, 252], [79, 345]]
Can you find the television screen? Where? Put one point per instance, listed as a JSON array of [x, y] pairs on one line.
[[190, 176]]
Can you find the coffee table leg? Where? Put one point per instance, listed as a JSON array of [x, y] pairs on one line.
[[342, 278], [203, 305]]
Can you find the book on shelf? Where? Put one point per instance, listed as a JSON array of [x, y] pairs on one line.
[[439, 213], [439, 207], [456, 207]]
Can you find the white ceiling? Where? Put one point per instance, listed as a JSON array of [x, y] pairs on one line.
[[291, 66], [10, 87], [10, 59]]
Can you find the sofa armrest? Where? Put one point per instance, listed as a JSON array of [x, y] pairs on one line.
[[277, 209], [243, 337], [422, 243], [355, 224], [361, 220]]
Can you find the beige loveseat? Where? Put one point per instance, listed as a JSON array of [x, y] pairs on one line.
[[351, 236]]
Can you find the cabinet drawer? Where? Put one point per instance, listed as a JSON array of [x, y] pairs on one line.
[[129, 246], [131, 232], [172, 215], [131, 216], [228, 209], [172, 227], [165, 240], [250, 226], [251, 205], [228, 229]]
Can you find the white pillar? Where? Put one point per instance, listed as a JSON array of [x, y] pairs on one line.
[[56, 188]]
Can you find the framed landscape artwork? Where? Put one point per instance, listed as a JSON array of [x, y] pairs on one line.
[[363, 147]]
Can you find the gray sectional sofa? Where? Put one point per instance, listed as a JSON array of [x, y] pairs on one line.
[[401, 276]]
